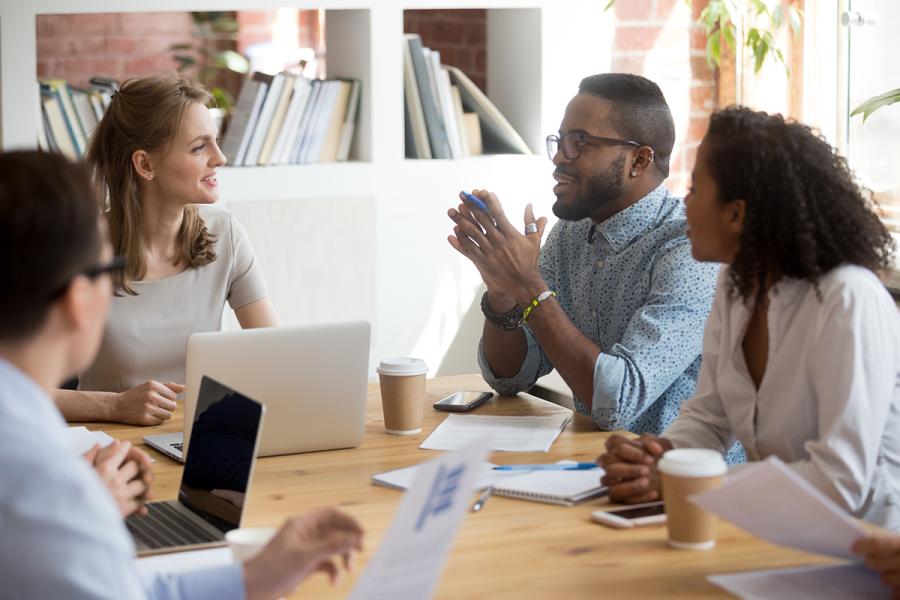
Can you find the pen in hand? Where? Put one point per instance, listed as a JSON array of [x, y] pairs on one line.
[[479, 504], [478, 202]]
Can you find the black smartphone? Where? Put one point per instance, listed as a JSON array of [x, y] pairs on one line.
[[462, 401]]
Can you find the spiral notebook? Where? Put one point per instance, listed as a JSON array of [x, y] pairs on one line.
[[565, 488]]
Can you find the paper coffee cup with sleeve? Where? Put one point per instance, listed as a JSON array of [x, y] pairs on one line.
[[402, 394], [685, 472]]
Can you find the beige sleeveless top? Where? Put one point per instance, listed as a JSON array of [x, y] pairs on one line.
[[146, 335]]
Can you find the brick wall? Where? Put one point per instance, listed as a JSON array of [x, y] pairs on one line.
[[121, 45], [459, 35], [660, 40]]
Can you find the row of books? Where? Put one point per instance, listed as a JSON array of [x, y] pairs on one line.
[[70, 114], [446, 114], [290, 119]]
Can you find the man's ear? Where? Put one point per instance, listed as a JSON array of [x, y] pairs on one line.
[[76, 304], [643, 158], [143, 164]]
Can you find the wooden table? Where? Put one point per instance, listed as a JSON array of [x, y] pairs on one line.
[[512, 548]]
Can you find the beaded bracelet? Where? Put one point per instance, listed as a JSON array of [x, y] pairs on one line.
[[534, 303], [508, 321]]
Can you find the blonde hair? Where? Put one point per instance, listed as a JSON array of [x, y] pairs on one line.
[[145, 114]]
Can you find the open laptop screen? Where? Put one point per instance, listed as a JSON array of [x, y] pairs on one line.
[[220, 459]]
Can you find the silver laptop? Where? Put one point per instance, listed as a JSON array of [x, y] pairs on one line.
[[215, 483], [312, 379]]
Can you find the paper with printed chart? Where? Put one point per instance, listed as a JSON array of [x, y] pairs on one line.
[[411, 557], [771, 501]]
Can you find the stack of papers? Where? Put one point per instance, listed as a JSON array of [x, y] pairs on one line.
[[81, 440], [512, 434], [771, 501], [401, 479]]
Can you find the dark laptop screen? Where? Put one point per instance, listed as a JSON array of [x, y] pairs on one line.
[[219, 461]]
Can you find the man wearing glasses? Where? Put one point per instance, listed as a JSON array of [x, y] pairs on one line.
[[614, 301]]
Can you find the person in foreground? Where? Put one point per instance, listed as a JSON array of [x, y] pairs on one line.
[[156, 154], [614, 300], [801, 353], [63, 536]]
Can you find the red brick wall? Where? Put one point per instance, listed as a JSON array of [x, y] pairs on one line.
[[120, 45], [659, 39], [459, 35]]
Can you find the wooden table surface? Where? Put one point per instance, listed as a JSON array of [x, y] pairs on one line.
[[512, 548]]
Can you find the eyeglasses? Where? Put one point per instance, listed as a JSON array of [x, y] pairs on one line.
[[572, 143], [117, 263]]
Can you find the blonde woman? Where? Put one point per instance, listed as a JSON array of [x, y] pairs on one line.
[[156, 154]]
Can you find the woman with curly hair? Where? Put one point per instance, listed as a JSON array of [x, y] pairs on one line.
[[801, 352]]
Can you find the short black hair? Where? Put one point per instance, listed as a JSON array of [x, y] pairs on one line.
[[640, 112], [805, 214], [49, 232]]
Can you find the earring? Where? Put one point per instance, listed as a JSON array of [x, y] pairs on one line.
[[634, 172]]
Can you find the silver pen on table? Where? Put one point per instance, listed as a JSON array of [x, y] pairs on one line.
[[484, 498]]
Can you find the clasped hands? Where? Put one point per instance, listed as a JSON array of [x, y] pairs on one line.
[[506, 258]]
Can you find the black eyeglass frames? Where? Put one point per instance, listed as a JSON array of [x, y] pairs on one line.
[[116, 263], [572, 143]]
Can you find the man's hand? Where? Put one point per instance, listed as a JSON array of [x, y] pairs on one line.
[[126, 472], [506, 258], [150, 403], [882, 554], [630, 465], [302, 546]]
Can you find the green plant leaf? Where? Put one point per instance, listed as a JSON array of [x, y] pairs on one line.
[[233, 61], [609, 5], [795, 16], [876, 102], [177, 47], [713, 51]]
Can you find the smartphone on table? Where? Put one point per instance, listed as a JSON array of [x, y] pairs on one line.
[[651, 513], [462, 401]]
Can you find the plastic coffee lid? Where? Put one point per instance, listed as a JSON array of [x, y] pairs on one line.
[[692, 462], [402, 366]]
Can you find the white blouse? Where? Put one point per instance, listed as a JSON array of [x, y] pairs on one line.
[[829, 401]]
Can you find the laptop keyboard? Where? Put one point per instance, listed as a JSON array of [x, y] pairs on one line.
[[166, 527]]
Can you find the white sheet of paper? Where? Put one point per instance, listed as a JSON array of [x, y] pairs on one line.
[[83, 440], [512, 434], [181, 562], [411, 557], [771, 501], [830, 582], [401, 479]]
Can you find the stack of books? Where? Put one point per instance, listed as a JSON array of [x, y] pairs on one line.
[[446, 115], [70, 114], [290, 119]]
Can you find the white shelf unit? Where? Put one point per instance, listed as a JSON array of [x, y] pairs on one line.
[[377, 249]]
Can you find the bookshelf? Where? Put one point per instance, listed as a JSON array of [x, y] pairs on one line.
[[389, 222]]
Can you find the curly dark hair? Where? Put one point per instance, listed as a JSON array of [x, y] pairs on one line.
[[805, 214]]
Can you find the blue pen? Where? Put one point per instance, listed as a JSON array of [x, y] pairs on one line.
[[476, 201], [582, 466]]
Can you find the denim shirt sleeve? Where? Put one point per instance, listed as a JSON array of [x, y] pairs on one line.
[[660, 340]]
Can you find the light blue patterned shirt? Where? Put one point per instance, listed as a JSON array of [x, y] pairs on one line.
[[635, 291], [62, 533]]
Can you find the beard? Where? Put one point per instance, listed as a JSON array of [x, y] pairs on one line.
[[597, 191]]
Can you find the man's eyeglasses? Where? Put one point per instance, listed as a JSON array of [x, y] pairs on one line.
[[117, 263], [572, 143]]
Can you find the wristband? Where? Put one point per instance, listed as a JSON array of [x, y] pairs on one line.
[[508, 321], [535, 303]]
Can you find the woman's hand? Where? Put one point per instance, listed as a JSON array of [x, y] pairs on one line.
[[150, 403], [126, 472], [882, 554], [630, 465]]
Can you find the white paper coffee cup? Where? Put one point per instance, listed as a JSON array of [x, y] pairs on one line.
[[246, 542], [685, 472], [402, 394]]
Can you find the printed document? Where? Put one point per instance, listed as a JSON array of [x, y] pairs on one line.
[[83, 440], [771, 501], [512, 434], [411, 557], [828, 582]]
